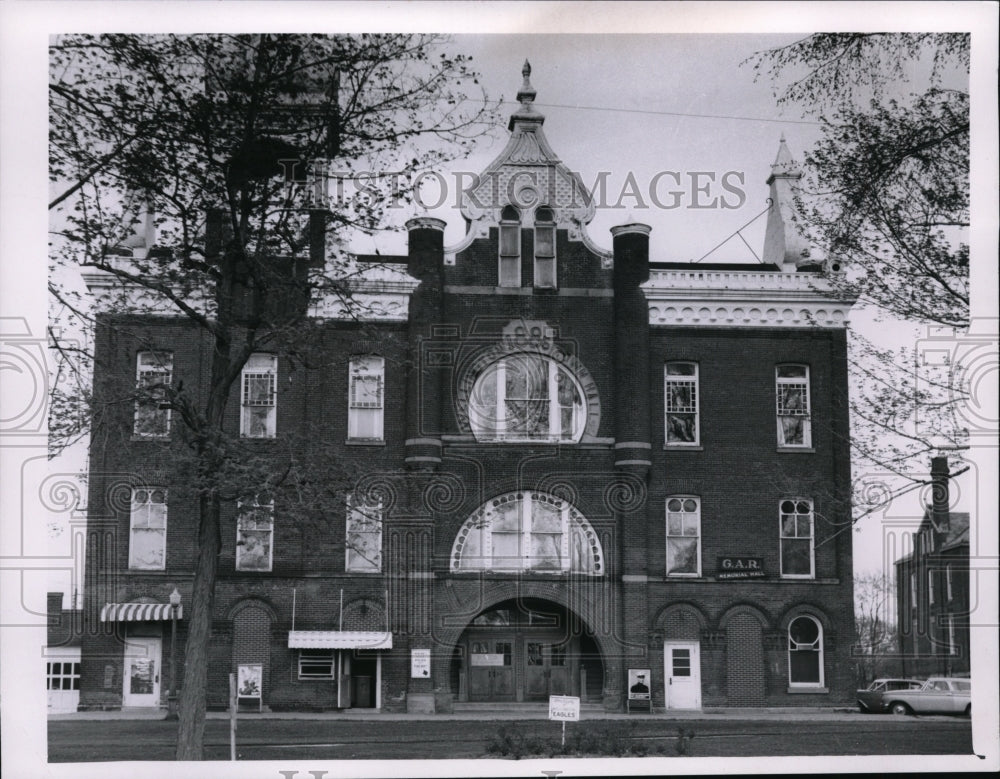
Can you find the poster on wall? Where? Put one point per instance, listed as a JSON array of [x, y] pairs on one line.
[[638, 684], [420, 663], [250, 682]]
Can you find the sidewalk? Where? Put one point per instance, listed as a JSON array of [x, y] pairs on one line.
[[812, 714]]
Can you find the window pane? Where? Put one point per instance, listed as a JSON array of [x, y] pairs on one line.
[[510, 271], [793, 431], [259, 390], [147, 549], [682, 555], [545, 272], [364, 539], [506, 549], [545, 551], [791, 371], [366, 392], [803, 666], [545, 518], [257, 421], [506, 517], [366, 423], [680, 369], [510, 240], [803, 631], [255, 550], [545, 241], [795, 557]]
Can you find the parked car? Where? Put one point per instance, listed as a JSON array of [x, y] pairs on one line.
[[938, 695], [872, 699]]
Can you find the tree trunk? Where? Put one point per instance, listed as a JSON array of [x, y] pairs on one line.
[[191, 728]]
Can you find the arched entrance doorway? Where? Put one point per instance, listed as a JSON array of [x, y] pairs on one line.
[[526, 650]]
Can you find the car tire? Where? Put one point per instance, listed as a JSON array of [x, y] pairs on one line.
[[968, 710], [900, 708]]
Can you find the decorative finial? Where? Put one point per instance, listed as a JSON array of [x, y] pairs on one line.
[[526, 94]]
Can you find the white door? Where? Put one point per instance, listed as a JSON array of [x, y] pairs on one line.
[[682, 674], [141, 680], [62, 672]]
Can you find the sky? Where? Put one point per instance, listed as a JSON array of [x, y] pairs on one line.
[[612, 100], [641, 105]]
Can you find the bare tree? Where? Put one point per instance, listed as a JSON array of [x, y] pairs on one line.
[[875, 626], [885, 197], [179, 170]]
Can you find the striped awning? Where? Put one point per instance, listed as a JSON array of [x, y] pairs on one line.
[[138, 612], [339, 639]]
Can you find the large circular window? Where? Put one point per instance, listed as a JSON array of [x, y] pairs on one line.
[[527, 397]]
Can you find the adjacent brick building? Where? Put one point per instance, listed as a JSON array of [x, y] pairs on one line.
[[932, 588], [567, 462]]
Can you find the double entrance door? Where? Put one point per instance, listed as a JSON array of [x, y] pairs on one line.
[[520, 667]]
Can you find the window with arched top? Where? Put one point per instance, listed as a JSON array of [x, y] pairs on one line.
[[510, 247], [527, 397], [527, 531], [545, 248], [805, 652]]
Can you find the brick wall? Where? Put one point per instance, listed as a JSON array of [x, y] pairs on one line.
[[744, 661]]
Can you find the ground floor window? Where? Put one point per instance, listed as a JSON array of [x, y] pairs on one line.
[[805, 653], [316, 664], [62, 676]]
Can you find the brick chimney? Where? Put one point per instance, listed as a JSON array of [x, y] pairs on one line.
[[940, 494]]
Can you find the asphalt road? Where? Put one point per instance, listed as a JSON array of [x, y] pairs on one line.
[[86, 741]]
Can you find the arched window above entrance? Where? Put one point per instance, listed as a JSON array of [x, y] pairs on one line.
[[528, 531]]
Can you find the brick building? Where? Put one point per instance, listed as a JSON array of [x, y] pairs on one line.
[[932, 588], [573, 462]]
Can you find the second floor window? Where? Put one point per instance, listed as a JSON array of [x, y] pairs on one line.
[[680, 399], [930, 587], [545, 248], [147, 549], [792, 391], [364, 536], [255, 535], [683, 536], [510, 248], [526, 397], [366, 402], [796, 538], [947, 581], [154, 372], [258, 413]]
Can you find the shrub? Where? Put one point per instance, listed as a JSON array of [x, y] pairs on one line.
[[613, 739], [683, 740]]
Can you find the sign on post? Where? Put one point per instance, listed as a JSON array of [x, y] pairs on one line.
[[420, 663], [564, 708]]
